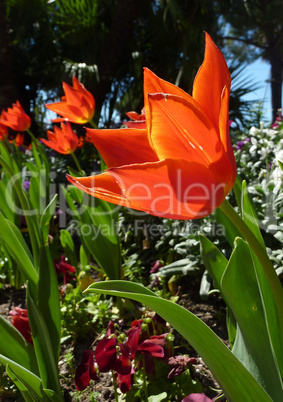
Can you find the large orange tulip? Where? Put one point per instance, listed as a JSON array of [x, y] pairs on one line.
[[15, 118], [77, 106], [182, 165], [64, 140]]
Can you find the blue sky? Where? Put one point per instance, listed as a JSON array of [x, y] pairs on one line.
[[259, 73]]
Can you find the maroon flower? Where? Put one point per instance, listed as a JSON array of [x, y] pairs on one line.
[[125, 381], [197, 398], [85, 371], [123, 364], [63, 267], [133, 339], [21, 322], [110, 329], [106, 354], [156, 266], [178, 364]]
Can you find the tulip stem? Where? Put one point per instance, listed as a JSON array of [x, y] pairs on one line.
[[93, 124], [35, 140], [77, 163], [259, 251], [144, 380]]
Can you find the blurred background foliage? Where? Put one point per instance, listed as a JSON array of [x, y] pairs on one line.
[[106, 44]]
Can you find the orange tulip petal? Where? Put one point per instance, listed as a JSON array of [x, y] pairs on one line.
[[179, 130], [137, 124], [102, 186], [210, 81], [174, 189], [122, 146]]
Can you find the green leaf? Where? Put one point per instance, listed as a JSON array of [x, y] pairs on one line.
[[15, 348], [29, 383], [252, 345], [69, 247], [43, 347], [249, 214], [97, 230], [48, 299], [215, 263], [270, 286], [15, 243], [236, 382], [46, 216], [231, 232]]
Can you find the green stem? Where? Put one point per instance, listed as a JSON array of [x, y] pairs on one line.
[[77, 163], [115, 387], [93, 124], [144, 381], [32, 136], [259, 251]]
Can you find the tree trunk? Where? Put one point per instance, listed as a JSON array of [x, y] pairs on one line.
[[8, 92], [276, 62]]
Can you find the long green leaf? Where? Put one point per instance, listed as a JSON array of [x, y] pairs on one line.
[[236, 382], [43, 347], [272, 298], [240, 287], [13, 239], [26, 391], [29, 379], [48, 299], [215, 262]]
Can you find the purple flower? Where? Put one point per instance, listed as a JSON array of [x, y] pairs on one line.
[[26, 185], [240, 144]]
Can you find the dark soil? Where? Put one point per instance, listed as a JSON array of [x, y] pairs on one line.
[[211, 311]]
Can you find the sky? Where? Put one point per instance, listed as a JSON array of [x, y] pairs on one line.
[[259, 73]]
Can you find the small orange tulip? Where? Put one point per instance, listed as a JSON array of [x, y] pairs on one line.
[[77, 106], [3, 132], [19, 140], [182, 165], [64, 140], [15, 118]]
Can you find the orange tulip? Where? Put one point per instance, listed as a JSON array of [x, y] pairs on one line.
[[77, 106], [15, 118], [3, 132], [182, 165], [64, 140], [19, 140]]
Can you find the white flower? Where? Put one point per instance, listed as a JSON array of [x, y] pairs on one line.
[[254, 131]]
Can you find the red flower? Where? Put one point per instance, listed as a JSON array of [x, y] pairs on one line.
[[182, 165], [106, 354], [85, 371], [64, 141], [179, 363], [77, 106], [21, 322], [62, 266], [16, 118], [197, 398]]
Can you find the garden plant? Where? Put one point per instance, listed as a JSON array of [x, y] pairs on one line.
[[68, 238]]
